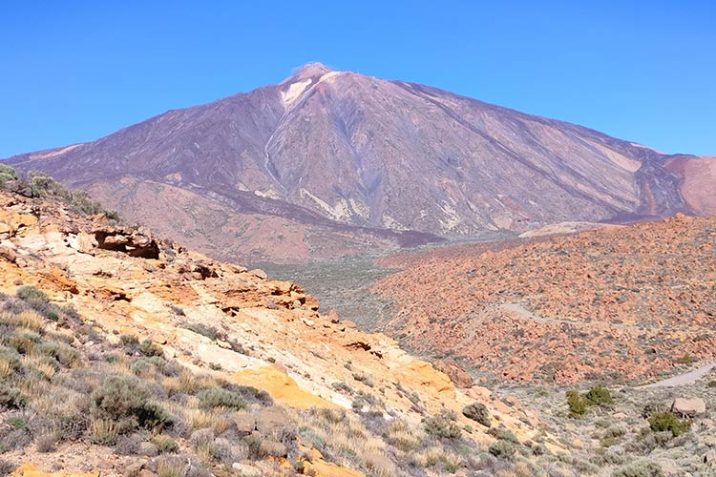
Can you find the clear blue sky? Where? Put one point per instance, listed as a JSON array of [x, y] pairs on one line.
[[76, 70]]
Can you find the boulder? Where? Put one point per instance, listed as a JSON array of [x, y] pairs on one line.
[[311, 302], [710, 457], [686, 407], [333, 316], [11, 222]]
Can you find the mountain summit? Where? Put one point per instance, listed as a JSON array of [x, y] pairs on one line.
[[308, 71], [331, 163]]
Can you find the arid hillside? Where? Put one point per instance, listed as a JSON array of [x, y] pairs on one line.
[[617, 304], [336, 163], [122, 354]]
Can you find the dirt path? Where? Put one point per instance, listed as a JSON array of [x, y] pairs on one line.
[[683, 379]]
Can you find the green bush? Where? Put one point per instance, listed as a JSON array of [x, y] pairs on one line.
[[204, 330], [125, 401], [667, 421], [7, 174], [217, 397], [685, 359], [39, 301], [477, 412], [165, 444], [443, 426], [30, 294], [503, 434], [577, 404], [11, 398], [502, 449], [62, 353], [599, 396], [149, 348], [580, 403]]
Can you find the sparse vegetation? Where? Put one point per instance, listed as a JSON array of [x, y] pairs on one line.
[[502, 449], [443, 426], [640, 469], [668, 421], [579, 404], [217, 397], [599, 396], [61, 382], [7, 174], [51, 393], [478, 412], [38, 185]]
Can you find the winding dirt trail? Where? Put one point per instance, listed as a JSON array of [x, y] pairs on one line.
[[683, 379]]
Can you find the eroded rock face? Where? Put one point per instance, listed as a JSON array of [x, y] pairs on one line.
[[132, 242]]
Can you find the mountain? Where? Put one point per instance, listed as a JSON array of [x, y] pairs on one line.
[[330, 163]]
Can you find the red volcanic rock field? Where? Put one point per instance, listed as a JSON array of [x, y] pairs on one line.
[[626, 303]]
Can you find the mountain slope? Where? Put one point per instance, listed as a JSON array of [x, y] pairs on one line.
[[621, 303], [328, 149]]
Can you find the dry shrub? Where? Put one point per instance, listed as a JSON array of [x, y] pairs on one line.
[[31, 320], [379, 464], [200, 419], [222, 424], [103, 432], [437, 455], [6, 369], [400, 435]]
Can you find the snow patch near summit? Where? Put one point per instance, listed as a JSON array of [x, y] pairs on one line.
[[290, 95]]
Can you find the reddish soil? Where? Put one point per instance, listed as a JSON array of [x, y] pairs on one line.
[[624, 303]]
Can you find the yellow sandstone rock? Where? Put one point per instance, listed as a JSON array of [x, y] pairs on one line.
[[281, 387], [320, 468], [31, 470], [12, 221]]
